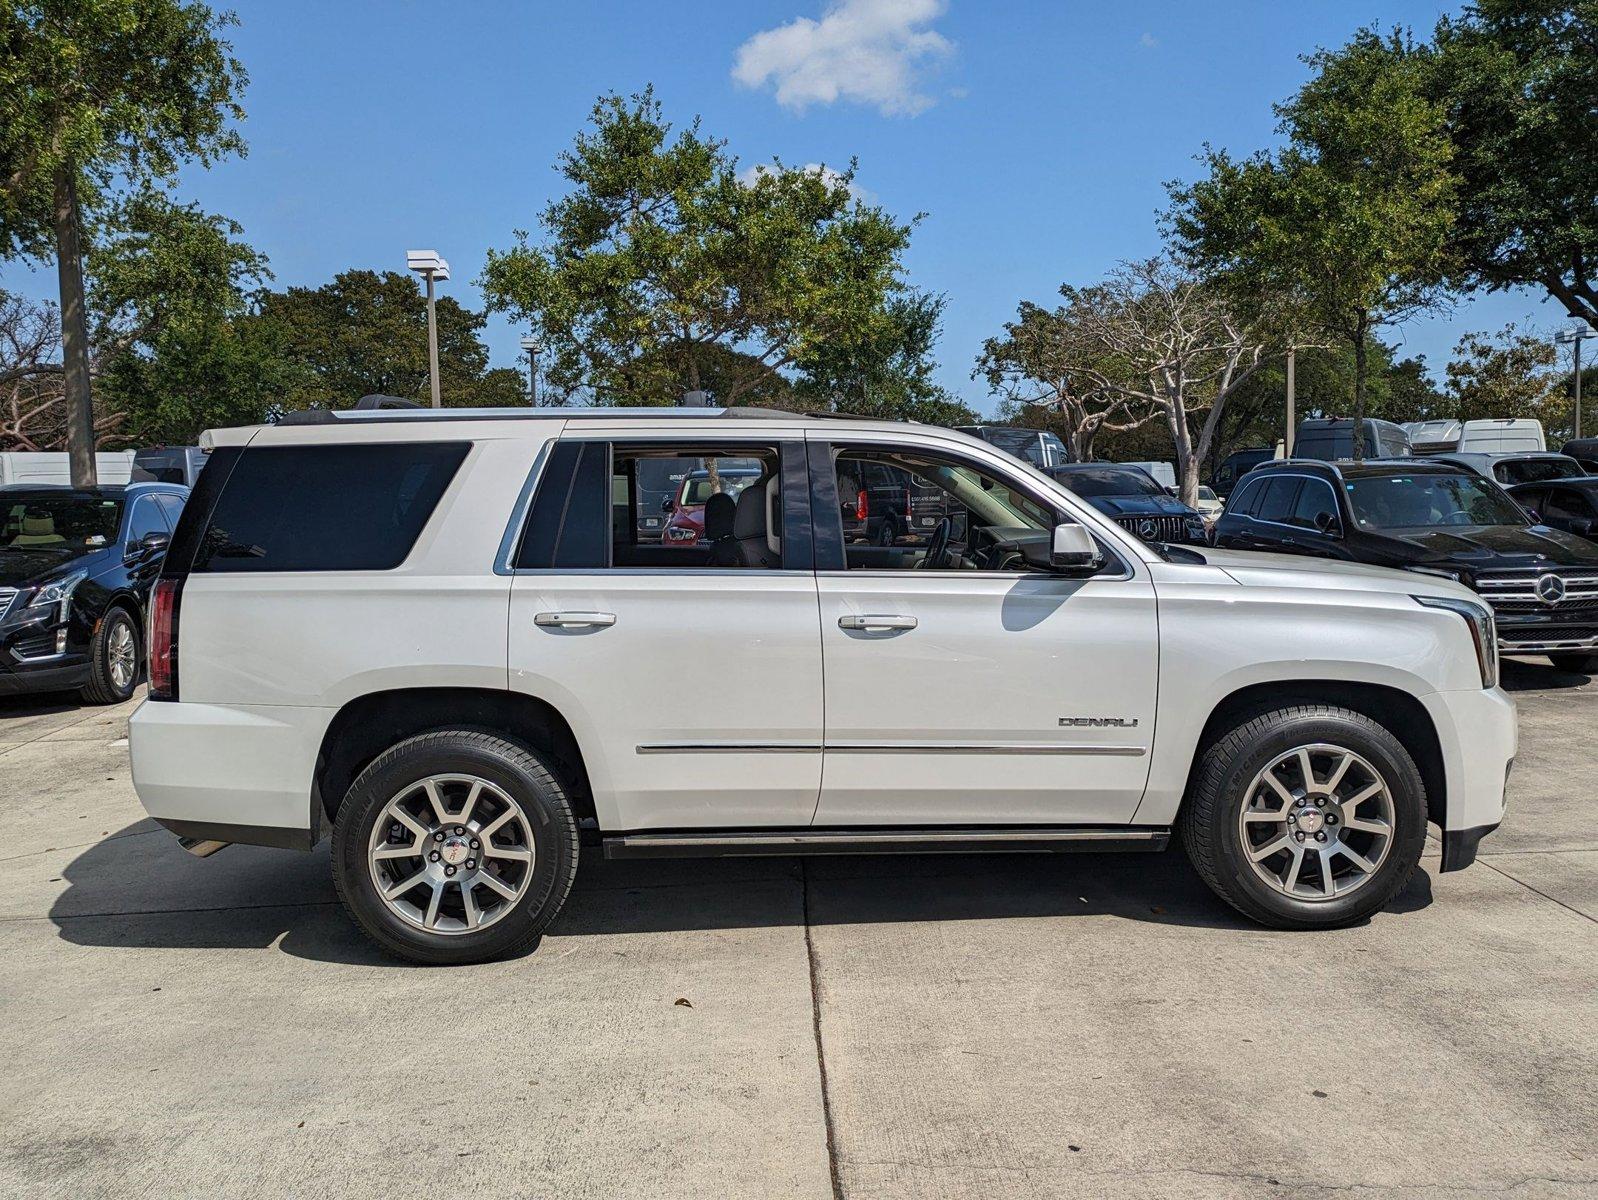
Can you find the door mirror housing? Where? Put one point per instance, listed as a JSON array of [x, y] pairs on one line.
[[1328, 524], [1532, 515], [1071, 550], [151, 545], [668, 505]]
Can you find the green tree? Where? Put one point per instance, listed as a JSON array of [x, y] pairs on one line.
[[1506, 375], [94, 96], [1519, 82], [660, 260], [1353, 215], [887, 373], [366, 332]]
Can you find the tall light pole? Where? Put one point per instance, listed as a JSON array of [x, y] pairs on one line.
[[530, 344], [1287, 440], [1575, 335], [430, 267]]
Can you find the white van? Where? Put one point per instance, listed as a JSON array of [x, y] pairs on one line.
[[1492, 436], [1163, 473], [35, 467]]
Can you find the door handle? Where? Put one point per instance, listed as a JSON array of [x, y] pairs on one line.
[[563, 620], [870, 622]]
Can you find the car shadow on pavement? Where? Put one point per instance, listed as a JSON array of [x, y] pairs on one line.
[[1519, 676], [138, 889]]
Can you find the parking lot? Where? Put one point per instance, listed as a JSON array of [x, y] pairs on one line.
[[1090, 1025]]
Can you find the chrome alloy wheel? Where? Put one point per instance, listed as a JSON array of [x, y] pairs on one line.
[[451, 854], [1317, 822], [122, 655]]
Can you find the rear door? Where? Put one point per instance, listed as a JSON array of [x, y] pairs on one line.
[[977, 693], [691, 674]]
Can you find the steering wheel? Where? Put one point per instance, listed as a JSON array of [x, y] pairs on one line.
[[1459, 517], [937, 555]]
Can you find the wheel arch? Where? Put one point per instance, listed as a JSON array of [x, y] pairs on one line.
[[368, 725], [1396, 710]]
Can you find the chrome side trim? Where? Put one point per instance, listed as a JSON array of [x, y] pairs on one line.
[[883, 748], [981, 748], [729, 748]]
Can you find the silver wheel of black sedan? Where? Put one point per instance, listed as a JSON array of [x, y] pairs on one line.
[[1317, 823], [451, 854]]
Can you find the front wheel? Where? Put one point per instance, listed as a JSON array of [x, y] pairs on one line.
[[1307, 817], [455, 846], [113, 659], [1579, 664]]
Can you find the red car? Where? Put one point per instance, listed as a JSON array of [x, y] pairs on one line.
[[686, 525]]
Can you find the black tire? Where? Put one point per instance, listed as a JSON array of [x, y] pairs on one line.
[[521, 775], [1209, 823], [887, 532], [102, 687], [1577, 663]]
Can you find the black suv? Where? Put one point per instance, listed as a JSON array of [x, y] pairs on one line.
[[1134, 500], [1438, 519], [76, 567], [1568, 504]]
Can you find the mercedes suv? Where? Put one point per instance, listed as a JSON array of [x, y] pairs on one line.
[[438, 634]]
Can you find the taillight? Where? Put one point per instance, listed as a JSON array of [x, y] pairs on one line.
[[907, 506], [164, 639], [862, 506]]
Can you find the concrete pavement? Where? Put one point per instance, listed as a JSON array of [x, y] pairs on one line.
[[1093, 1026]]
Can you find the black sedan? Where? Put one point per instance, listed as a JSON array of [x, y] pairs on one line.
[[1434, 518], [76, 568], [1134, 500]]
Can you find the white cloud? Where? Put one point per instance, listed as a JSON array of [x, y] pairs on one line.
[[1148, 41], [867, 51], [754, 171]]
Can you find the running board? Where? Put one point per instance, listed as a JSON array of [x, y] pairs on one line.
[[1055, 839]]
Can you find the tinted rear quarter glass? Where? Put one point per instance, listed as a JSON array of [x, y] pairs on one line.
[[357, 507]]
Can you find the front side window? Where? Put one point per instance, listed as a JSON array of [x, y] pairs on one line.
[[1428, 501], [145, 520], [956, 517], [1316, 501], [1569, 505]]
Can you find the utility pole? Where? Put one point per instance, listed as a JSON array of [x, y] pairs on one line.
[[1574, 335], [1287, 440], [530, 344], [430, 266]]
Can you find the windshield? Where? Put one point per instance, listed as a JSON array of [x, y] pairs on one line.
[[699, 487], [69, 523], [1537, 470], [1426, 501], [1111, 481]]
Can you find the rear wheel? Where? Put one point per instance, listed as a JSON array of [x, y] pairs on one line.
[[113, 659], [887, 532], [1306, 817], [455, 846], [1580, 664]]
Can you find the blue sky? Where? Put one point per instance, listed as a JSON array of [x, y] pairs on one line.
[[1034, 136]]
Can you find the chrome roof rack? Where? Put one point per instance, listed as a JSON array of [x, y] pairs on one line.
[[374, 413]]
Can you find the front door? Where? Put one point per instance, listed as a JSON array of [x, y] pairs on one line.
[[963, 688], [690, 670]]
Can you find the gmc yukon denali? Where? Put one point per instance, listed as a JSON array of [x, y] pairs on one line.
[[440, 635]]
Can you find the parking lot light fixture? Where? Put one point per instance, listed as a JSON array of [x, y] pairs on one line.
[[432, 268], [532, 346], [1574, 335]]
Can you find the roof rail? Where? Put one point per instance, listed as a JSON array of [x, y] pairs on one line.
[[389, 408]]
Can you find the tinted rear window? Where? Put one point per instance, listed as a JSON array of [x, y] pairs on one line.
[[327, 508]]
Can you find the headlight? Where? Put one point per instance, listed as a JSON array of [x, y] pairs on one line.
[[681, 533], [59, 592], [1483, 632]]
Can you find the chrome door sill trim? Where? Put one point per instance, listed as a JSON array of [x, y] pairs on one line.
[[729, 748], [981, 748], [1054, 839]]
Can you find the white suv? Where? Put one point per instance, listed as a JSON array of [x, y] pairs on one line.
[[440, 633]]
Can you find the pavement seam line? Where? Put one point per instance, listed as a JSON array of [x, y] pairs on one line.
[[163, 912], [1539, 892], [821, 1052], [19, 745]]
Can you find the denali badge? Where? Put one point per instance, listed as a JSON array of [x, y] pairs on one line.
[[1550, 589], [1100, 722]]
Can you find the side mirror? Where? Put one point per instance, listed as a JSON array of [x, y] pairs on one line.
[[151, 545], [1073, 551], [1532, 515], [668, 505], [1327, 524]]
